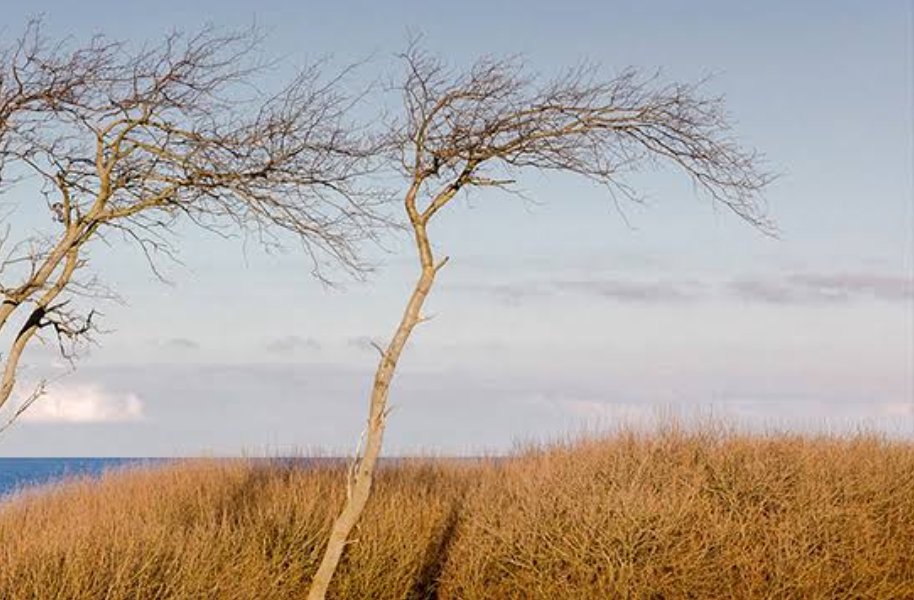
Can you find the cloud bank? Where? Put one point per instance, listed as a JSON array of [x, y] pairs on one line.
[[818, 288], [785, 288]]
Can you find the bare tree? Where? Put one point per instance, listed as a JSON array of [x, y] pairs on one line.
[[486, 126], [107, 140]]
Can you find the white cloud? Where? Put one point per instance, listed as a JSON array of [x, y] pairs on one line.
[[84, 403]]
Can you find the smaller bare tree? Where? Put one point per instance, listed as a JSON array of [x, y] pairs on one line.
[[486, 126], [128, 142]]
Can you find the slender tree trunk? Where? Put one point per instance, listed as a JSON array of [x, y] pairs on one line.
[[32, 324], [362, 475]]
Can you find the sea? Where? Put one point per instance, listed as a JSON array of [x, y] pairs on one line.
[[20, 473]]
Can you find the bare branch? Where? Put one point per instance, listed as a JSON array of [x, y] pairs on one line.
[[483, 126], [131, 141]]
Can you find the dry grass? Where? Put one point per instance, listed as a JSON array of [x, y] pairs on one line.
[[664, 515]]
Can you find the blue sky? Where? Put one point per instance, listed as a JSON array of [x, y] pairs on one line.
[[574, 320]]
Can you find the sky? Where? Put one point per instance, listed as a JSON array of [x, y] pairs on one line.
[[554, 316]]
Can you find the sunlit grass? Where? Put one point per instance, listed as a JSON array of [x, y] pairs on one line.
[[665, 514]]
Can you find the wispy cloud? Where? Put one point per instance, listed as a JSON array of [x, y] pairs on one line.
[[291, 344], [637, 291], [619, 290], [784, 288], [766, 290], [85, 403], [812, 288], [181, 343], [856, 284]]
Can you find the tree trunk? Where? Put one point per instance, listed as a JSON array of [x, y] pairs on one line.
[[362, 474]]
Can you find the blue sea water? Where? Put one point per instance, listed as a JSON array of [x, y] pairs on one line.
[[22, 473], [18, 473]]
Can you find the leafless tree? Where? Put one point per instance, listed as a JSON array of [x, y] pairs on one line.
[[109, 140], [485, 126]]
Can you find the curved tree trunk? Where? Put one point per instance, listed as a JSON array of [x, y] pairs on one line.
[[361, 476]]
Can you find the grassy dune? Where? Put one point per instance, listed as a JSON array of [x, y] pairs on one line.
[[669, 514]]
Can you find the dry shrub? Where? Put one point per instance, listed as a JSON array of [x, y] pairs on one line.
[[691, 515], [670, 514], [208, 529]]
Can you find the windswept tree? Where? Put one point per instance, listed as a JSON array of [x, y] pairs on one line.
[[107, 140], [489, 125]]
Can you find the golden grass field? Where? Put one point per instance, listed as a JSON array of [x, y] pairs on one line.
[[666, 514]]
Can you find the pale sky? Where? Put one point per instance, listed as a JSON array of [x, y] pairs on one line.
[[572, 319]]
